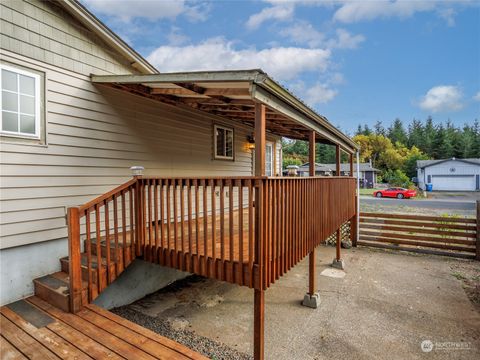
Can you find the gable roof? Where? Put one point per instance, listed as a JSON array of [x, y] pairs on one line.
[[425, 163], [89, 20]]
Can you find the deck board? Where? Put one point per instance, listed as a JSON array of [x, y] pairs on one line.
[[93, 333]]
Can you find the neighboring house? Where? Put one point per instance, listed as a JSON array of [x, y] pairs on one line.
[[449, 174], [368, 174]]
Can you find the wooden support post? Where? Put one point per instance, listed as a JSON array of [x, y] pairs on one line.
[[259, 296], [338, 156], [351, 164], [353, 220], [478, 231], [139, 222], [354, 225], [259, 324], [311, 257], [260, 142], [74, 256]]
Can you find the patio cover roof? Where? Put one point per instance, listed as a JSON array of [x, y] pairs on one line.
[[232, 95]]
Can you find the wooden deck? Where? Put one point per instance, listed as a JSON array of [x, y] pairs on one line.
[[34, 329]]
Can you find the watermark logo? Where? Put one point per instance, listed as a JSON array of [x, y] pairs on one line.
[[426, 345]]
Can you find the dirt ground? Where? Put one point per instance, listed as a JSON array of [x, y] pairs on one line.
[[384, 305]]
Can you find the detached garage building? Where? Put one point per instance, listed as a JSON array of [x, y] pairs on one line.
[[449, 174]]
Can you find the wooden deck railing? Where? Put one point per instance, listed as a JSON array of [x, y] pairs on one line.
[[243, 230]]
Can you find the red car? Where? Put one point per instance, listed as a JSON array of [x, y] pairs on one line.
[[399, 193]]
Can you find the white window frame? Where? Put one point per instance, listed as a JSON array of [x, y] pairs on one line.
[[37, 103], [215, 154], [270, 145]]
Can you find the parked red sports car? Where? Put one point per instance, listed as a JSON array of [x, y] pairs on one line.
[[399, 193]]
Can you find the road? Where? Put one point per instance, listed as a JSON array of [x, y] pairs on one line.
[[424, 204]]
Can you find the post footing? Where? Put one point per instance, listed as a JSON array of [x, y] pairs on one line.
[[311, 301], [338, 264]]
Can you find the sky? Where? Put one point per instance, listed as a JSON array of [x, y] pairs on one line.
[[352, 61]]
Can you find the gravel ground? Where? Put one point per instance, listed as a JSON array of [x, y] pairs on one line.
[[174, 330]]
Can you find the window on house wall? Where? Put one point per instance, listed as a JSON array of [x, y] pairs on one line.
[[224, 143], [269, 159], [20, 102]]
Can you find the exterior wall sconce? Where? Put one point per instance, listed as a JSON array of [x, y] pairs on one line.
[[137, 170], [251, 142], [292, 170]]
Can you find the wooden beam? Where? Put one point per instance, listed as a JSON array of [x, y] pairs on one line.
[[338, 155], [260, 126], [259, 296], [172, 91], [259, 327], [311, 257], [351, 165]]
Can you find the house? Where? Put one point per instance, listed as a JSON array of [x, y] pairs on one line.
[[449, 174], [367, 178], [80, 108]]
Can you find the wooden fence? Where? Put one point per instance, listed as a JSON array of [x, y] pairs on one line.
[[449, 236]]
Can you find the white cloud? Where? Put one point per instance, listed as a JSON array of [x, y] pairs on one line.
[[355, 11], [283, 63], [175, 36], [281, 10], [315, 94], [448, 14], [442, 98], [319, 94], [125, 10], [477, 96], [345, 40], [302, 32]]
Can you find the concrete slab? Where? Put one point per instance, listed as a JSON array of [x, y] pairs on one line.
[[385, 306]]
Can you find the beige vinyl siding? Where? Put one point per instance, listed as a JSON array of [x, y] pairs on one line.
[[94, 134], [42, 30]]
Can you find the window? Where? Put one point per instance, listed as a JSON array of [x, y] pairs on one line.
[[223, 143], [20, 102], [269, 159]]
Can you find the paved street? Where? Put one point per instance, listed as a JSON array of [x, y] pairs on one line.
[[454, 204]]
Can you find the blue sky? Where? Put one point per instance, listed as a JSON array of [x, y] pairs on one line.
[[353, 61]]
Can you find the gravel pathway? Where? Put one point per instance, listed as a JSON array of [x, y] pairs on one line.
[[205, 346]]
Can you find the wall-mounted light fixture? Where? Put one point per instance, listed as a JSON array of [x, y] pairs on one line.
[[251, 142]]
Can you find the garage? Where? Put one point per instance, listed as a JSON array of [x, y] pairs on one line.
[[449, 174], [453, 182]]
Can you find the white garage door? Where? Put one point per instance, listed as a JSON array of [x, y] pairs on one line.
[[453, 183]]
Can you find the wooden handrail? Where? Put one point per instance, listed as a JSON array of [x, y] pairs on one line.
[[100, 199], [247, 230]]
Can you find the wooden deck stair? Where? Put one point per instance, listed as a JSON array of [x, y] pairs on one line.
[[55, 288]]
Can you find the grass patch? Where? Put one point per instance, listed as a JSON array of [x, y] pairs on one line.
[[458, 276], [367, 191]]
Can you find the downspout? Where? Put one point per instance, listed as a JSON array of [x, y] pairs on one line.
[[358, 197]]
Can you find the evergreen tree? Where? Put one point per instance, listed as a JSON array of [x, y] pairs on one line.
[[416, 136], [379, 129], [397, 133]]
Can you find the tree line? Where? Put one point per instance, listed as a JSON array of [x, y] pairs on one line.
[[395, 150], [437, 141]]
